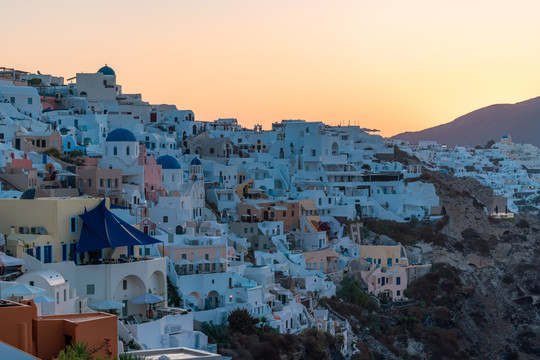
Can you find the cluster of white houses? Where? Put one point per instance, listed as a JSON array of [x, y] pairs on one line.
[[511, 170], [107, 198]]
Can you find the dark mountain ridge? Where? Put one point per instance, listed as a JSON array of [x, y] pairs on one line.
[[521, 121]]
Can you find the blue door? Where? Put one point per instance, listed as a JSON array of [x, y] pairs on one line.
[[47, 254]]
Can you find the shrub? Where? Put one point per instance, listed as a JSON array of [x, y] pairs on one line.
[[241, 321]]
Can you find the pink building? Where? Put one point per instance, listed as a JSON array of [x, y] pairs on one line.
[[388, 282], [151, 175]]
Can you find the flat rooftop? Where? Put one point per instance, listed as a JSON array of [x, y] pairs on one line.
[[176, 354]]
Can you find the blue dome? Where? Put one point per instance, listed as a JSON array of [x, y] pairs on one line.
[[168, 162], [196, 161], [120, 135], [107, 71]]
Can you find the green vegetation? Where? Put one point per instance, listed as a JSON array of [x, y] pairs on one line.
[[174, 298], [53, 152], [351, 293], [81, 351], [34, 82], [409, 233]]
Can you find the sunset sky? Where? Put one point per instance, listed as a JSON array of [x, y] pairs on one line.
[[385, 64]]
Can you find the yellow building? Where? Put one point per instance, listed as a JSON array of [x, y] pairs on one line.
[[46, 228], [384, 255]]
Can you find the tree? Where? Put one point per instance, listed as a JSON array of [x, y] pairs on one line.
[[174, 297], [34, 82], [241, 321], [366, 167], [54, 152]]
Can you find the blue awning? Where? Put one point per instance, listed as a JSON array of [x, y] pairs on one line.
[[102, 229]]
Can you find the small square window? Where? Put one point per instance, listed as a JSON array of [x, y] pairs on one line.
[[90, 289]]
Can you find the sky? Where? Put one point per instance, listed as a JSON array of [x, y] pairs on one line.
[[382, 64]]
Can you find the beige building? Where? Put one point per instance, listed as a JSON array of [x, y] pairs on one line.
[[384, 255], [46, 228]]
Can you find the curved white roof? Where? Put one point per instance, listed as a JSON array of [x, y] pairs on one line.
[[51, 276]]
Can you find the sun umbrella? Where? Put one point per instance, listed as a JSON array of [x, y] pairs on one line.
[[44, 299], [107, 305], [22, 290], [147, 298]]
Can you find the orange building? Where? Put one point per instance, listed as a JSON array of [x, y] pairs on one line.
[[46, 336]]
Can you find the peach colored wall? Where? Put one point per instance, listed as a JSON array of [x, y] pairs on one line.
[[190, 251], [16, 326], [21, 163], [91, 328]]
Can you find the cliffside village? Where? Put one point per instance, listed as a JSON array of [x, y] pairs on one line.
[[143, 222]]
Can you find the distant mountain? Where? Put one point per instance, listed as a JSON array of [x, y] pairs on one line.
[[521, 121]]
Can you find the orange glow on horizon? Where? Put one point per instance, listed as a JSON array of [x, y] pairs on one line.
[[394, 65]]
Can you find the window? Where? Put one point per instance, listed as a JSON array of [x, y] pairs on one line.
[[100, 182], [65, 294], [165, 219], [73, 224], [206, 257], [29, 101], [12, 99], [89, 183], [292, 213], [38, 253], [108, 183], [57, 298], [398, 281], [284, 214], [64, 252], [115, 150], [124, 284], [31, 283], [184, 256], [245, 230], [127, 150], [90, 289]]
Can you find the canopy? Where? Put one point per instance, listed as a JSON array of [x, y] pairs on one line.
[[107, 305], [22, 290], [147, 298], [6, 260], [183, 262], [43, 299], [102, 229]]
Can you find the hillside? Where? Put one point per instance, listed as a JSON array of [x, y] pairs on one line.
[[520, 121], [481, 299]]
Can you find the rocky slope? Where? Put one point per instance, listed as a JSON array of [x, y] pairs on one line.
[[481, 301], [519, 120]]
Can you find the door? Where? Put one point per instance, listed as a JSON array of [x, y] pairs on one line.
[[47, 254]]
